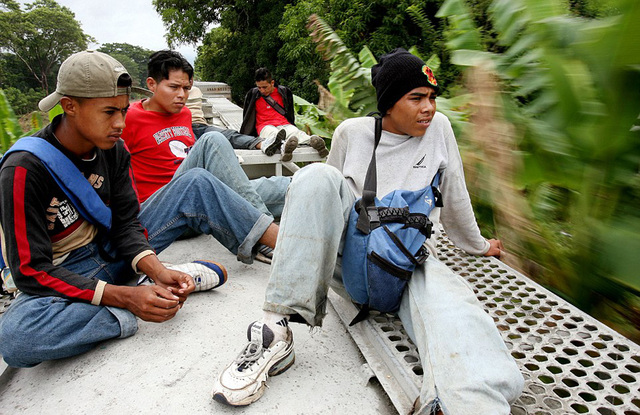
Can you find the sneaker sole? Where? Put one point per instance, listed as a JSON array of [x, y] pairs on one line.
[[283, 365], [289, 148], [271, 150], [320, 146], [280, 367]]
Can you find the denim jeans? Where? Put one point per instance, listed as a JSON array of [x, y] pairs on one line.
[[237, 140], [35, 329], [467, 367], [213, 152]]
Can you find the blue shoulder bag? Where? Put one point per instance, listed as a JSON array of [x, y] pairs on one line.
[[385, 241], [69, 178]]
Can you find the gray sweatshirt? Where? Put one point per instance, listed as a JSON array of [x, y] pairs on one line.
[[409, 163]]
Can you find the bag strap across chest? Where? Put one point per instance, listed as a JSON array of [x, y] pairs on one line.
[[371, 216]]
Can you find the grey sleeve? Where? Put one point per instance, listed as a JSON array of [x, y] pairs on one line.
[[457, 215], [338, 151]]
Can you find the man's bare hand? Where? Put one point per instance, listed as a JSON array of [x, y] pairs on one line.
[[495, 248], [176, 282], [149, 302], [154, 303]]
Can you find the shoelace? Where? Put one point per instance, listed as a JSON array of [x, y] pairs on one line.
[[249, 356]]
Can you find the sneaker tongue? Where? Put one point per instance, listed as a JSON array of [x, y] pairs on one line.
[[261, 334]]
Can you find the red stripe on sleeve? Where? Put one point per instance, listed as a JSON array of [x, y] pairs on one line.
[[24, 249]]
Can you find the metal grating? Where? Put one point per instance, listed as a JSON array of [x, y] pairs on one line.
[[572, 363]]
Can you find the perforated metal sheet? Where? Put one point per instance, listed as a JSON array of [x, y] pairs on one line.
[[571, 362]]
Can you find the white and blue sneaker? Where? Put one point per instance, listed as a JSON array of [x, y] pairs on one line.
[[206, 275], [245, 379]]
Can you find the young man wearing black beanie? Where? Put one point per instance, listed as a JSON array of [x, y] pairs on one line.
[[467, 367]]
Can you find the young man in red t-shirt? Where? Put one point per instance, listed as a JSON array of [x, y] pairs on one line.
[[160, 138], [268, 113]]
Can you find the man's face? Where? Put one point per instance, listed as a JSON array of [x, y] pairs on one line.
[[98, 122], [265, 87], [169, 95], [412, 114]]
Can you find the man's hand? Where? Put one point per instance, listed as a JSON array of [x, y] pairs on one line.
[[495, 248], [149, 302], [176, 282]]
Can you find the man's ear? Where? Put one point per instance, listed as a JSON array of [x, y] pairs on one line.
[[151, 84], [69, 105]]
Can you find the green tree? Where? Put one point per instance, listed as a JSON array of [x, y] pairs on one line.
[[41, 36], [134, 58], [246, 39], [272, 33]]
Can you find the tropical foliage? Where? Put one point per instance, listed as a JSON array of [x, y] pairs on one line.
[[10, 128], [555, 142]]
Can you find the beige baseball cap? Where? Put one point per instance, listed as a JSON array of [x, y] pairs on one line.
[[87, 74]]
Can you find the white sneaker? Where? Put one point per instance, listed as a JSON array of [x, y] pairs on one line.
[[206, 275], [270, 146], [244, 380]]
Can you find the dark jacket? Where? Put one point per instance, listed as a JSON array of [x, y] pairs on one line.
[[36, 214], [249, 109]]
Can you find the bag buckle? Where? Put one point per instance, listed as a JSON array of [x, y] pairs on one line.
[[374, 217]]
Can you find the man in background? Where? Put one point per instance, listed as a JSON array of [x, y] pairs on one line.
[[268, 113]]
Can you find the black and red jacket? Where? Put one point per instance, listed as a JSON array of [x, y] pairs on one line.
[[40, 225]]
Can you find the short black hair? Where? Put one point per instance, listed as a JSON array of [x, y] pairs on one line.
[[125, 80], [263, 74], [165, 61]]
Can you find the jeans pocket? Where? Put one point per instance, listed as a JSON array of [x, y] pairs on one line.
[[386, 282]]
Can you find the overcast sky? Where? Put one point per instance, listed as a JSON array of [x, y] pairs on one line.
[[123, 21]]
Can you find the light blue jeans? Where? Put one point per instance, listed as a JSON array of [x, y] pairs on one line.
[[467, 367], [35, 329], [214, 153]]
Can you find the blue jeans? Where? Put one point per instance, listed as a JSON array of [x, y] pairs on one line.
[[237, 140], [35, 329], [213, 152], [467, 367]]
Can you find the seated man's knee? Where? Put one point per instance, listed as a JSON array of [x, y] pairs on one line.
[[214, 140], [195, 177], [12, 351], [316, 176]]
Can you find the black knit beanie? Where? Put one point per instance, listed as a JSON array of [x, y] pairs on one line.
[[397, 73]]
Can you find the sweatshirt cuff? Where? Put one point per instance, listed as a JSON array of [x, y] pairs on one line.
[[98, 292], [134, 263]]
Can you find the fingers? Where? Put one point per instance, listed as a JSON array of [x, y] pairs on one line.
[[495, 248], [158, 304]]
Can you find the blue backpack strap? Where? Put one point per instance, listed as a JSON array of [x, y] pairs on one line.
[[68, 177]]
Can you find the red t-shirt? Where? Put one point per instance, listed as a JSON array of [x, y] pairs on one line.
[[158, 143], [265, 115]]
